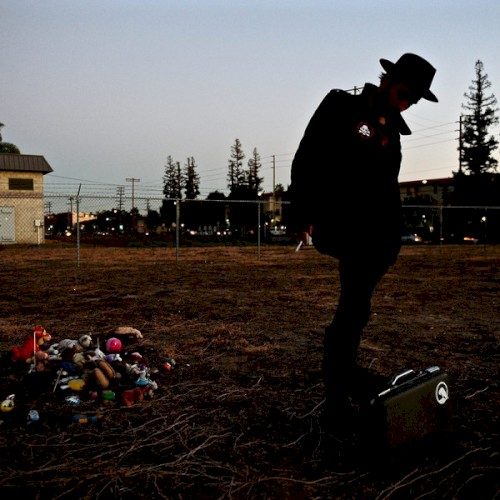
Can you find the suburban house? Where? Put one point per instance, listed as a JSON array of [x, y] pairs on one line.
[[21, 198]]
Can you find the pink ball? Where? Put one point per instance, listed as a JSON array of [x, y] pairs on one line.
[[113, 345]]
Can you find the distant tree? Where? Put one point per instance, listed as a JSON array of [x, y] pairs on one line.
[[214, 210], [254, 166], [216, 195], [244, 186], [7, 147], [191, 180], [476, 147], [236, 173], [171, 189], [172, 180], [279, 189]]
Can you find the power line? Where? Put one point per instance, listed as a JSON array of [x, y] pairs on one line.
[[275, 162], [429, 144]]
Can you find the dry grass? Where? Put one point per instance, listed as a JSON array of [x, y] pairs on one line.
[[238, 416]]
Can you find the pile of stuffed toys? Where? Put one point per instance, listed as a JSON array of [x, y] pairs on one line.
[[85, 372]]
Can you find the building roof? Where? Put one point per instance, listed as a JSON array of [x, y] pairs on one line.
[[24, 163]]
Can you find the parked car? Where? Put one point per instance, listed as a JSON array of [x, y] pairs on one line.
[[471, 239], [411, 238], [453, 239]]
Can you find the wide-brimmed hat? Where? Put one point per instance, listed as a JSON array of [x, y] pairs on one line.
[[413, 70]]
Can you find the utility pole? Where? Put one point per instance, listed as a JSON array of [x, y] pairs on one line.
[[460, 144], [273, 208], [120, 191], [274, 175], [354, 90], [133, 180]]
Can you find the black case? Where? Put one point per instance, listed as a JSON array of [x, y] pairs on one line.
[[414, 406]]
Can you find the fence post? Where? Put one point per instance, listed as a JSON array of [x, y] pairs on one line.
[[78, 227], [177, 228], [441, 226], [485, 220], [258, 229]]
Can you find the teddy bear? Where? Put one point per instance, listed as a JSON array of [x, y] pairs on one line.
[[41, 361], [31, 346]]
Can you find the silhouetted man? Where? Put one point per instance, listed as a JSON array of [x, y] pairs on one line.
[[345, 186]]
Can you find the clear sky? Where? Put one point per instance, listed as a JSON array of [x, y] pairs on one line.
[[107, 89]]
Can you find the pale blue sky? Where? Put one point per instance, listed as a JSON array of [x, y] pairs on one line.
[[107, 89]]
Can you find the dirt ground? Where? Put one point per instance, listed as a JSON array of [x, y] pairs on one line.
[[238, 415]]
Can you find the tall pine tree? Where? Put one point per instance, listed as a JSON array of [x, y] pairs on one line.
[[254, 165], [476, 145], [172, 186], [236, 173], [191, 180], [172, 180]]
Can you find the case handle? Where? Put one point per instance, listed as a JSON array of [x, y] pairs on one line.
[[401, 375]]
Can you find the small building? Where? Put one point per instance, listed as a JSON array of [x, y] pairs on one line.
[[272, 208], [21, 198]]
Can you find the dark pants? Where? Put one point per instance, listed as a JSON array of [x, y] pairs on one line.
[[342, 338]]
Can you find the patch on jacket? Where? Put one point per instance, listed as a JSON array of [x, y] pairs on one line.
[[365, 130]]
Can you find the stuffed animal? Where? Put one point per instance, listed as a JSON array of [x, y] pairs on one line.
[[133, 396], [126, 333], [112, 358], [41, 361], [81, 359], [7, 404], [79, 345], [53, 350], [31, 346], [102, 375]]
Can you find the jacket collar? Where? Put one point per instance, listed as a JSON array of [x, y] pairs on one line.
[[368, 92]]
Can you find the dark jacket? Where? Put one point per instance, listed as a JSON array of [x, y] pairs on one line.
[[345, 178]]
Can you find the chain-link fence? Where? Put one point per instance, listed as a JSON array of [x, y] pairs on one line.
[[162, 219], [169, 222]]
